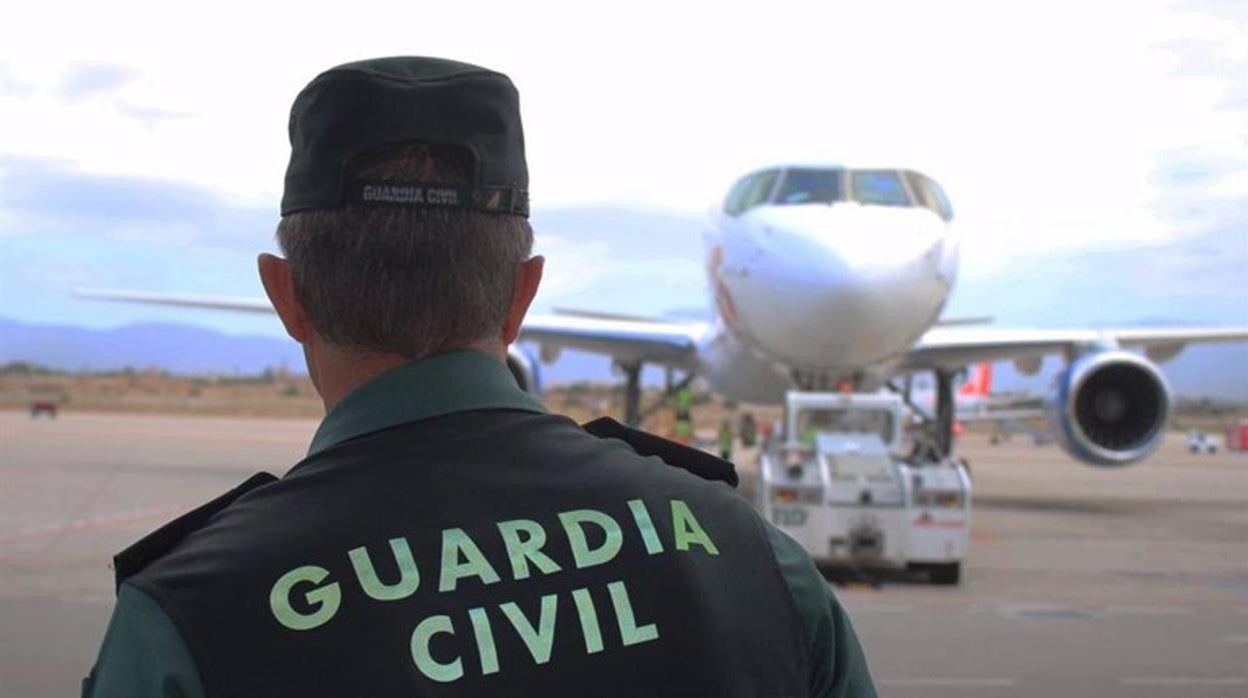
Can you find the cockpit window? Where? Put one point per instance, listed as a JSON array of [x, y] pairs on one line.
[[879, 187], [930, 195], [809, 187], [946, 208], [732, 204], [750, 192], [761, 188]]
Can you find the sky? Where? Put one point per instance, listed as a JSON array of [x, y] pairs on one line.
[[142, 145]]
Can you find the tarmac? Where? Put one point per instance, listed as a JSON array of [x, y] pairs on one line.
[[1081, 581]]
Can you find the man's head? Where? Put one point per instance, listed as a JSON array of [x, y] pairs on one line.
[[404, 220]]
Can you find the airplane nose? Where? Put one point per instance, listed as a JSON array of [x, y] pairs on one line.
[[844, 294], [879, 251], [868, 260]]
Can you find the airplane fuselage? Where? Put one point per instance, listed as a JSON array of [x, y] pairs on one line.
[[818, 282]]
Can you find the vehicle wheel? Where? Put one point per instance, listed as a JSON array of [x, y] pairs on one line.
[[944, 573]]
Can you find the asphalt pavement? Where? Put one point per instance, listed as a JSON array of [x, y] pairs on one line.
[[1081, 582]]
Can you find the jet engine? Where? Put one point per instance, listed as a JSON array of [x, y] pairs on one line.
[[1109, 408], [524, 368]]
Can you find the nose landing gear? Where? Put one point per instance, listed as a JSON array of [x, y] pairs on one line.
[[936, 442]]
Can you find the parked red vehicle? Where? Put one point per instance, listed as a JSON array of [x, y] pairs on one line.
[[43, 406]]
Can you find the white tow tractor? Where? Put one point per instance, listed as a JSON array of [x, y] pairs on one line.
[[839, 482]]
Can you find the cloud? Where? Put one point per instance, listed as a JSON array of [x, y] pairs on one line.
[[41, 196], [1081, 144], [11, 86], [149, 115], [1199, 278], [88, 79], [572, 266], [1044, 121], [605, 276], [145, 233], [1192, 166], [619, 260]]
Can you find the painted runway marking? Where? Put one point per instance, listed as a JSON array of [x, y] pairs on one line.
[[880, 608], [936, 681], [1185, 681], [1146, 611], [28, 533], [1038, 612], [89, 598]]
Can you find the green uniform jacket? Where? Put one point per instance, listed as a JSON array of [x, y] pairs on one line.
[[144, 655]]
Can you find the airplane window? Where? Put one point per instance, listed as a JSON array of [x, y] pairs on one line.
[[750, 191], [946, 208], [880, 187], [922, 192], [759, 190], [930, 195], [810, 186], [732, 204]]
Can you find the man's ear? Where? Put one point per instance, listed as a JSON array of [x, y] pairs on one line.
[[528, 278], [279, 285]]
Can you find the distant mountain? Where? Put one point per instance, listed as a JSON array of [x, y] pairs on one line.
[[187, 349], [173, 347]]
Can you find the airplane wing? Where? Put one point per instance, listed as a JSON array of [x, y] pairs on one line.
[[955, 347], [993, 413], [246, 305], [624, 339], [666, 343]]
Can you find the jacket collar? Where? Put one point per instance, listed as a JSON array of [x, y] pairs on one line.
[[457, 381]]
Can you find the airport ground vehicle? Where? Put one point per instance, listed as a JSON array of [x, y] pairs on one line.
[[1200, 442], [43, 406], [838, 481], [1237, 436]]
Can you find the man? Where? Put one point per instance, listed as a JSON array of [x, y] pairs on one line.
[[445, 535], [684, 416], [725, 439], [749, 430]]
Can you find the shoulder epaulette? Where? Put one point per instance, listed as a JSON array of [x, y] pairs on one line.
[[696, 461], [158, 543]]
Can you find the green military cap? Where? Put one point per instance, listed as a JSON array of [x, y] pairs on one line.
[[358, 107]]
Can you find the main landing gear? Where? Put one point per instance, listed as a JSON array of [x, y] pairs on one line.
[[633, 413]]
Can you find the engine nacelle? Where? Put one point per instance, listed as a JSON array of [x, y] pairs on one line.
[[1109, 408], [524, 368]]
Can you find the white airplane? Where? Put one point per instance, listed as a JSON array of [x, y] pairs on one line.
[[834, 278]]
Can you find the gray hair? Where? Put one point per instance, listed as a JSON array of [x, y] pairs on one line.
[[400, 280]]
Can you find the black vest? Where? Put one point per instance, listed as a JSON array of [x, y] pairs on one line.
[[481, 553]]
